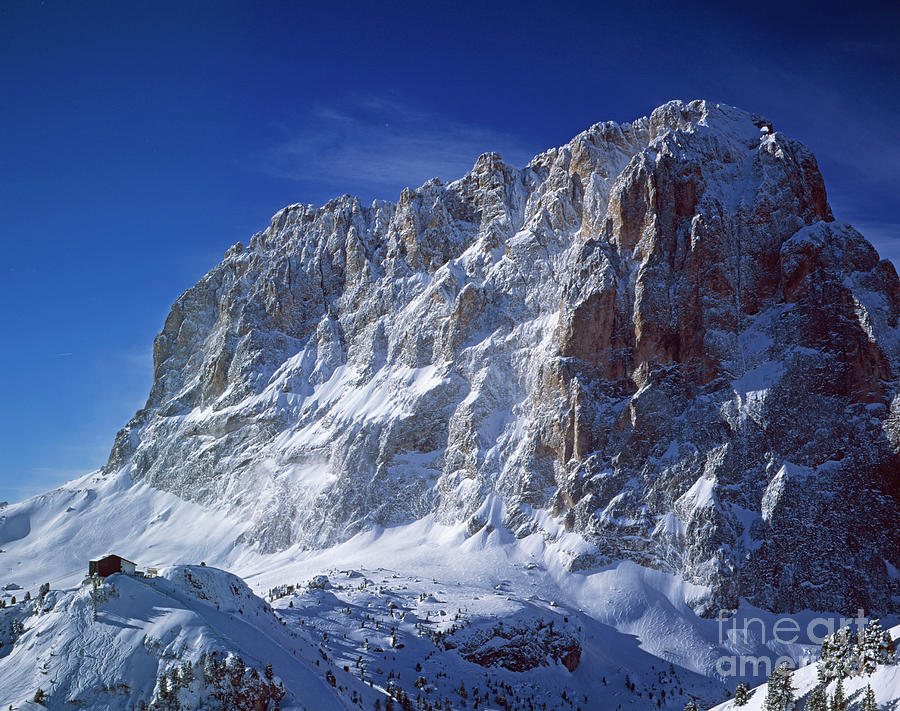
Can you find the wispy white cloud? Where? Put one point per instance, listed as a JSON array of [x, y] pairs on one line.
[[378, 146]]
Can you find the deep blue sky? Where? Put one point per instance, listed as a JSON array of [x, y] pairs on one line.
[[139, 140]]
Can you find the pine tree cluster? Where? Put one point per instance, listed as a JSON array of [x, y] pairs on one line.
[[12, 625], [280, 591], [843, 655], [223, 684]]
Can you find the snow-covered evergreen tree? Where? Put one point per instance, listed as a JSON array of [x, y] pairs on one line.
[[209, 668], [43, 591], [886, 649], [236, 670], [838, 700], [162, 687], [839, 655], [187, 673], [818, 699], [876, 647], [868, 702], [866, 642], [174, 681], [780, 692], [820, 674], [741, 694]]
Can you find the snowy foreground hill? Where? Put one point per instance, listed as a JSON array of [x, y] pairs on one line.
[[102, 647], [533, 439], [485, 613], [885, 683]]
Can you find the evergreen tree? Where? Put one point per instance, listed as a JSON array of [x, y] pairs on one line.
[[162, 685], [867, 646], [887, 649], [820, 675], [174, 681], [741, 694], [40, 696], [878, 645], [236, 669], [691, 706], [868, 702], [269, 673], [818, 699], [838, 700], [839, 655], [780, 693], [187, 673], [209, 668]]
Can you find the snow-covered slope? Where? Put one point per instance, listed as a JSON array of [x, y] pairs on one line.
[[432, 615], [885, 682], [103, 647], [51, 537], [389, 593]]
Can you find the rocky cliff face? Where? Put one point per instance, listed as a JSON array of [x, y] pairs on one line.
[[657, 334]]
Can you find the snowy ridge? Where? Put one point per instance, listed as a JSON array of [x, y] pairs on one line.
[[104, 647]]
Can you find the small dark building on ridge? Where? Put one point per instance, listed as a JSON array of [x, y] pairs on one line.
[[109, 564]]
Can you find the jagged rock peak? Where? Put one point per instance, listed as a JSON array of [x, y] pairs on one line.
[[656, 337]]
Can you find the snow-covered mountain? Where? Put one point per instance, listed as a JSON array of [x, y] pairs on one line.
[[657, 333], [647, 378]]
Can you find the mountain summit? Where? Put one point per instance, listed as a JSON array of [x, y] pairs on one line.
[[655, 343]]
